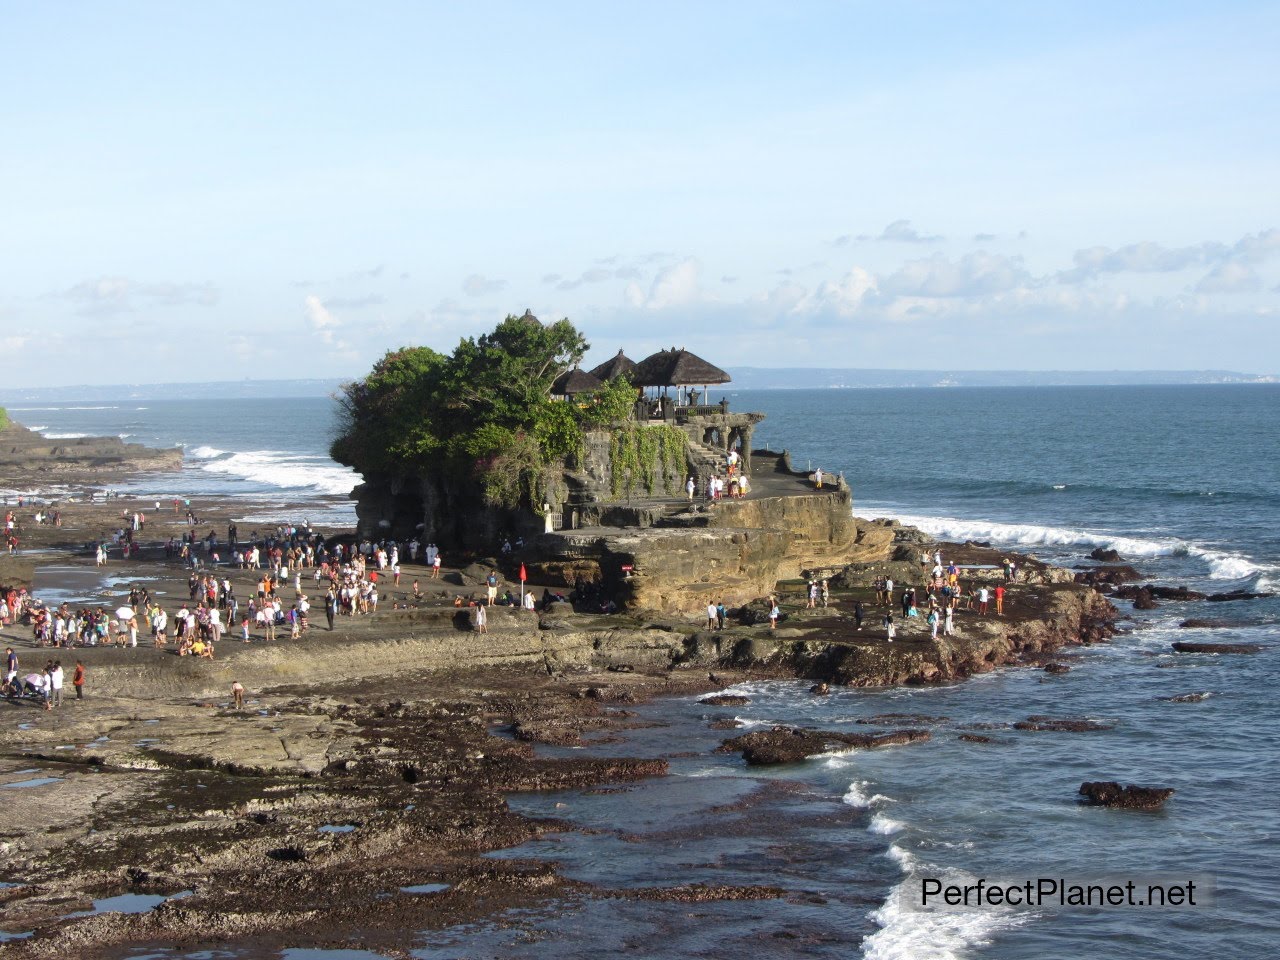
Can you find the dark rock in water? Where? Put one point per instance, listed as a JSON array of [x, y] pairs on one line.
[[1236, 595], [1105, 555], [1062, 724], [1142, 599], [1107, 576], [1187, 697], [1056, 668], [902, 719], [1111, 794], [1183, 646], [1194, 623], [820, 689], [978, 543], [725, 724], [1153, 591], [726, 700], [974, 738], [792, 745]]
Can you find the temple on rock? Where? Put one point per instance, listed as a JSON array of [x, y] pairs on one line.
[[618, 509]]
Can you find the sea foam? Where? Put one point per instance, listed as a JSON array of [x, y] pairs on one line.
[[1222, 565]]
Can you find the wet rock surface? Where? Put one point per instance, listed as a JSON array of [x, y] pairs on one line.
[[1186, 646], [1063, 724], [1131, 797], [794, 744]]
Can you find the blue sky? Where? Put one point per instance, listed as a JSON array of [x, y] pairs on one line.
[[234, 190]]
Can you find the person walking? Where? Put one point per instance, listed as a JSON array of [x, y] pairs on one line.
[[482, 618], [77, 680], [330, 606]]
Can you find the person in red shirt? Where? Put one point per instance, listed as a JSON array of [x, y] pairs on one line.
[[999, 600], [77, 680]]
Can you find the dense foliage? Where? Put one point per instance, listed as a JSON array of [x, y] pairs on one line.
[[483, 413]]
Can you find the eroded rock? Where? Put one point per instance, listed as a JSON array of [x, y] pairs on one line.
[[1109, 793]]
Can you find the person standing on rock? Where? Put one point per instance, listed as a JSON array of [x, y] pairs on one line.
[[491, 587], [713, 618], [983, 599], [77, 680], [933, 624], [10, 670], [689, 487], [948, 621], [435, 566], [858, 613], [481, 618], [721, 614], [888, 591], [890, 630], [1000, 599], [774, 613], [56, 676]]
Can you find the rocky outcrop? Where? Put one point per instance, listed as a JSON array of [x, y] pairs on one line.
[[1066, 615], [1182, 646], [1111, 794], [25, 453], [735, 553], [1104, 555], [1063, 725], [794, 744]]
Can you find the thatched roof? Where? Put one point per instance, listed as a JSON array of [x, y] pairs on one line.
[[573, 382], [669, 368], [618, 366]]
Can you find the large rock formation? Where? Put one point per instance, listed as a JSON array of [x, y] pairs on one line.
[[25, 454]]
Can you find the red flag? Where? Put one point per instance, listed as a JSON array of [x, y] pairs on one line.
[[523, 576]]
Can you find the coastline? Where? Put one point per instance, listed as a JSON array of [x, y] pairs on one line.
[[406, 722]]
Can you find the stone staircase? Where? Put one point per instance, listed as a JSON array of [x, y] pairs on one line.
[[705, 460]]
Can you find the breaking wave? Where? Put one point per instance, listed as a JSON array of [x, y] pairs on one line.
[[1222, 565]]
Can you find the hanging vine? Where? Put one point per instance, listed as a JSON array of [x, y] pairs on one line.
[[642, 455]]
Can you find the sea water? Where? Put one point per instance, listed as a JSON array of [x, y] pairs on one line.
[[1183, 481]]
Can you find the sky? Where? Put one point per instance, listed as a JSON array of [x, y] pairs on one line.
[[247, 190]]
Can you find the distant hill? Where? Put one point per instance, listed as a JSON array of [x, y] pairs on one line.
[[744, 378], [791, 378]]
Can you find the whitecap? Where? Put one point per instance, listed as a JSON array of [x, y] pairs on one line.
[[1222, 565], [57, 435], [907, 933], [885, 826]]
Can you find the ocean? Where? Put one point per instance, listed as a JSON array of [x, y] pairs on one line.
[[1183, 481]]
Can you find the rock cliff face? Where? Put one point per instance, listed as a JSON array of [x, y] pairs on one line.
[[26, 454], [735, 552]]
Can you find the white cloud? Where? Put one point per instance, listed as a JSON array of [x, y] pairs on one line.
[[901, 231], [674, 286], [843, 297], [974, 274], [477, 285], [1230, 277], [120, 294], [319, 314]]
